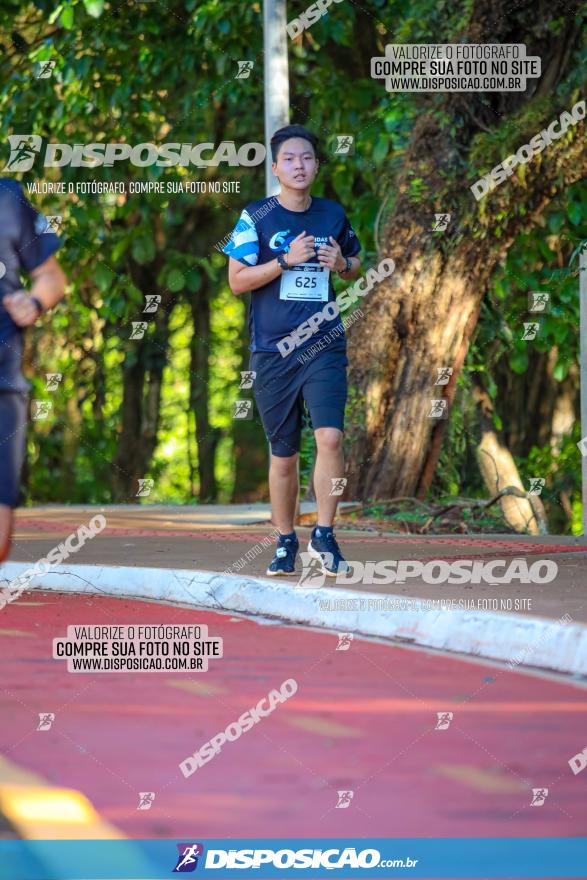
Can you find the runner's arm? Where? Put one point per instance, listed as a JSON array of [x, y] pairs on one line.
[[243, 278], [353, 271], [48, 283]]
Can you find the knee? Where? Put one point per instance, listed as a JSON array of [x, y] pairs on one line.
[[5, 531], [283, 466], [329, 440]]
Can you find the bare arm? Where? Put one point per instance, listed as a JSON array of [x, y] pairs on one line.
[[48, 283], [353, 271], [48, 287], [243, 278]]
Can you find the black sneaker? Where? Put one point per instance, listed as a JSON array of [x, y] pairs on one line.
[[284, 561], [323, 546]]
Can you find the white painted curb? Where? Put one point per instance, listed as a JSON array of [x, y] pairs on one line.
[[513, 638]]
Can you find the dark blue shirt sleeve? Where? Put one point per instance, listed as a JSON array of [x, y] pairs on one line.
[[349, 243], [34, 245]]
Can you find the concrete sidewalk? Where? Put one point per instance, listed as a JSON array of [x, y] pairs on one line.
[[199, 555]]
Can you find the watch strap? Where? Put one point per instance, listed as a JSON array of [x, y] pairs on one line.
[[38, 303]]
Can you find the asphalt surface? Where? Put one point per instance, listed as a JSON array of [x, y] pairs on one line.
[[362, 720], [216, 539]]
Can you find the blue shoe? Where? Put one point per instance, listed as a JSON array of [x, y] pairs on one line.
[[323, 546], [284, 561]]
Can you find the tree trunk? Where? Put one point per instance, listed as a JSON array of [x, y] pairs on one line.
[[499, 471], [422, 318], [206, 437], [141, 399]]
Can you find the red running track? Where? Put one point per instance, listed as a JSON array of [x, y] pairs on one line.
[[362, 720]]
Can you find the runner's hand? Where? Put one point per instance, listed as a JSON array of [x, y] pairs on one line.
[[301, 249], [20, 308], [331, 256]]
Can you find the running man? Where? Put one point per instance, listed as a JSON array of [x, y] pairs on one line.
[[24, 247], [284, 250]]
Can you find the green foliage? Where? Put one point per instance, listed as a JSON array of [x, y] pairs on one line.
[[135, 74]]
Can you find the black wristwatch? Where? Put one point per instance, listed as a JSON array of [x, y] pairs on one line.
[[282, 261], [349, 265], [38, 303]]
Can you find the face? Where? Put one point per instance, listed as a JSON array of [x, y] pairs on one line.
[[296, 165]]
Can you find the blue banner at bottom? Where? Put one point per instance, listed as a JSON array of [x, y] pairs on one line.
[[528, 857]]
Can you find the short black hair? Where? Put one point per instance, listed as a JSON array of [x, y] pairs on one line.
[[292, 131]]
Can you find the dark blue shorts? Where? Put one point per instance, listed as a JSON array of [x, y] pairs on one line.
[[283, 386], [14, 390], [13, 422]]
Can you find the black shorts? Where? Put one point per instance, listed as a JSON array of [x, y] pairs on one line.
[[13, 422], [284, 384]]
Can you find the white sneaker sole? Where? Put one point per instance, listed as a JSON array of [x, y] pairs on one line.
[[316, 555]]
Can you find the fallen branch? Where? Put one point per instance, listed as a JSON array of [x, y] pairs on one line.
[[471, 504]]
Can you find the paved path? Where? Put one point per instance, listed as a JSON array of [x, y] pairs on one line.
[[362, 720], [210, 538]]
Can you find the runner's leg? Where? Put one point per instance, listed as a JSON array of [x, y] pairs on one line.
[[13, 414], [5, 530], [283, 488], [329, 465]]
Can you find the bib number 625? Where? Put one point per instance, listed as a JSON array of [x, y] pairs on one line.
[[305, 282]]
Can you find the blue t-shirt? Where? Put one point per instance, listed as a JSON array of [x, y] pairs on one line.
[[24, 246], [265, 229]]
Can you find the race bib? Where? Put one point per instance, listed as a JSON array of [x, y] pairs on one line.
[[306, 281]]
